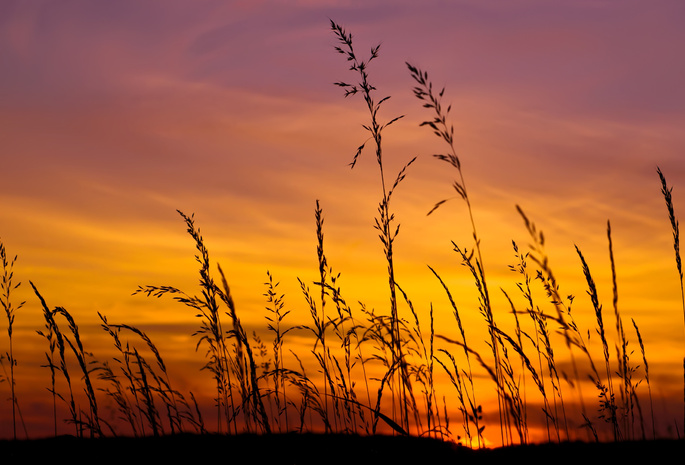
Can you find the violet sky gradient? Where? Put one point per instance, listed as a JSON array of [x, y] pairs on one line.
[[115, 114]]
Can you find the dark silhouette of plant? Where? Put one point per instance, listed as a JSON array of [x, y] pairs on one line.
[[385, 219], [6, 287], [57, 338], [667, 192], [242, 367], [473, 259]]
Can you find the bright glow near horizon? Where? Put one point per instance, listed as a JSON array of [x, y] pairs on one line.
[[115, 115]]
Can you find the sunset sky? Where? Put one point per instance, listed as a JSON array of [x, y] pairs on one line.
[[115, 114]]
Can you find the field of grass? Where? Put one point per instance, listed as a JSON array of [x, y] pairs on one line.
[[368, 372]]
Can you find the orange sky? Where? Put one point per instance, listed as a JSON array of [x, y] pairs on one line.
[[115, 114]]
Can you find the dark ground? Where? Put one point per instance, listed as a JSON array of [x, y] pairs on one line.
[[326, 449]]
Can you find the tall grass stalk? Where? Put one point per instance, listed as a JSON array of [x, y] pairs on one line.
[[621, 352], [55, 340], [667, 193], [463, 382], [607, 392], [445, 131], [385, 219], [649, 385], [625, 370], [56, 337], [340, 412], [254, 399], [322, 318], [346, 331], [93, 418], [275, 317], [6, 287]]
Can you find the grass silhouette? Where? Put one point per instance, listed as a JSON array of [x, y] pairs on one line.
[[375, 370]]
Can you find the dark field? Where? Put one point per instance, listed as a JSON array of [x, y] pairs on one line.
[[295, 448]]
